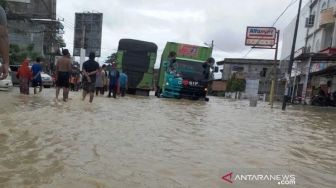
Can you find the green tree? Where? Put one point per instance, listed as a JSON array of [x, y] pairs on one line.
[[111, 58], [17, 54], [236, 85], [61, 42], [3, 3]]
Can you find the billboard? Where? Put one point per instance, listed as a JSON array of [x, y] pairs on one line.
[[20, 1], [260, 36], [88, 33]]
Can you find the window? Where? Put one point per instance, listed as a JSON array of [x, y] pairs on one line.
[[310, 21], [263, 72], [237, 68], [190, 70]]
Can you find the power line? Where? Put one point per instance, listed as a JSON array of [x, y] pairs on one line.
[[290, 4], [65, 19], [277, 19], [68, 24], [215, 46]]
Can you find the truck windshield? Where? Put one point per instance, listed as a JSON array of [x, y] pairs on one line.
[[189, 70]]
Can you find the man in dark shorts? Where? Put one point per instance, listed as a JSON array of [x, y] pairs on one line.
[[63, 70], [37, 78], [90, 68], [4, 44]]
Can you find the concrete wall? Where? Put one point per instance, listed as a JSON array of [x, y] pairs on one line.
[[288, 34], [23, 31], [32, 9], [317, 38], [248, 69], [251, 72]]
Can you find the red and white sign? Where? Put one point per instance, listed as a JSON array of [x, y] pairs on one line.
[[329, 51], [260, 36], [187, 50]]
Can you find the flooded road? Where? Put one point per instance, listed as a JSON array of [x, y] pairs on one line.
[[149, 142]]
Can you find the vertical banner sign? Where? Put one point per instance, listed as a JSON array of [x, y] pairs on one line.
[[260, 36]]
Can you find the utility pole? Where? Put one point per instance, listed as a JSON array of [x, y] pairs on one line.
[[274, 78], [212, 45], [82, 50], [291, 60]]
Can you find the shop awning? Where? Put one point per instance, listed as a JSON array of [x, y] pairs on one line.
[[328, 71], [328, 54]]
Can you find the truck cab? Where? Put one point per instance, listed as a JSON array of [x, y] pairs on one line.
[[185, 79], [186, 75]]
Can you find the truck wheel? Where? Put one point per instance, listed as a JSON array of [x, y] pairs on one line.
[[158, 92], [194, 98], [206, 99]]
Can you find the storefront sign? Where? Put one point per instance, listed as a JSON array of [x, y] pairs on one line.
[[260, 36], [318, 67]]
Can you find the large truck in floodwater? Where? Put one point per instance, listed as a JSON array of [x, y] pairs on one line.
[[185, 75], [136, 59]]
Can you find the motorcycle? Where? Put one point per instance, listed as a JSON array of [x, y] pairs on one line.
[[324, 100], [297, 100]]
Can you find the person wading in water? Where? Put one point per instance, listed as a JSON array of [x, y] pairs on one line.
[[90, 69], [63, 70]]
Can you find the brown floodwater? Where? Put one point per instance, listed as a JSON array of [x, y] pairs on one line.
[[150, 142]]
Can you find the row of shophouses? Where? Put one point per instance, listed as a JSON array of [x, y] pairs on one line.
[[314, 67]]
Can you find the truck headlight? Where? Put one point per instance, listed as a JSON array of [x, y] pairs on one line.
[[167, 84]]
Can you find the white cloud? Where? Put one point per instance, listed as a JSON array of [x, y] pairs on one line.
[[188, 21]]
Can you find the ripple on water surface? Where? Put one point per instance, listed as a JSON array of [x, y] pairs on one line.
[[149, 142]]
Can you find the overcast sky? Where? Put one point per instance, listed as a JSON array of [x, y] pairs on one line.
[[184, 21]]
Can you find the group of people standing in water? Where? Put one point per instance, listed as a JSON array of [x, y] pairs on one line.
[[96, 79]]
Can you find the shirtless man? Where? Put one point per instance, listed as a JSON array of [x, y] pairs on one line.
[[4, 46], [63, 71]]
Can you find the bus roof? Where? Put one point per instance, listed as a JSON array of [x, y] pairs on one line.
[[137, 45]]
